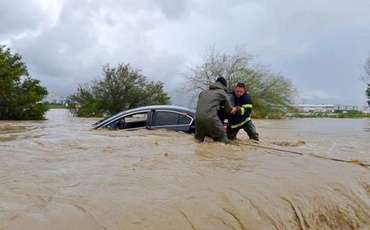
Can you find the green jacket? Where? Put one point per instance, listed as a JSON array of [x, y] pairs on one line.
[[210, 101]]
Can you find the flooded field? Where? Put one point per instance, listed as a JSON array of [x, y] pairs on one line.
[[60, 174]]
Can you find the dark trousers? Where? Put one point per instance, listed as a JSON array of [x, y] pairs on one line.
[[248, 127]]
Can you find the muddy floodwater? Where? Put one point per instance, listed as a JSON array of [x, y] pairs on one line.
[[305, 174]]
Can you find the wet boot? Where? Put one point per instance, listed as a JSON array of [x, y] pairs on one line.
[[250, 129], [255, 137], [222, 139]]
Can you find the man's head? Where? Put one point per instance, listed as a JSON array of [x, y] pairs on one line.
[[240, 89], [222, 81]]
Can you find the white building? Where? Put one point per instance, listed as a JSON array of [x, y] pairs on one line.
[[325, 108], [347, 108], [315, 108]]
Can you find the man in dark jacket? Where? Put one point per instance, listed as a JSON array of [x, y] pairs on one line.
[[242, 119], [207, 122]]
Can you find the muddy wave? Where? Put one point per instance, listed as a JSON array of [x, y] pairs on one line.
[[60, 174]]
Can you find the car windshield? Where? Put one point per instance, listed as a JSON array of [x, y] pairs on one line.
[[102, 120]]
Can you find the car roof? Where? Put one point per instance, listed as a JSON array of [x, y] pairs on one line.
[[106, 121], [169, 107]]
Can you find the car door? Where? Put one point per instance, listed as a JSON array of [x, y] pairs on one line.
[[173, 120]]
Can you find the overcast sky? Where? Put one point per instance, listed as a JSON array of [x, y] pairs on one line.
[[320, 45]]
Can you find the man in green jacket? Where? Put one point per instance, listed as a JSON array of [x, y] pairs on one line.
[[207, 122]]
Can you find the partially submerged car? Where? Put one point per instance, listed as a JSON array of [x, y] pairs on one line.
[[152, 117]]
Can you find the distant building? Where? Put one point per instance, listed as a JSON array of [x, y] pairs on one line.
[[54, 99], [313, 108], [324, 108], [341, 108]]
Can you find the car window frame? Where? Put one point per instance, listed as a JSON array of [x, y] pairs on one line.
[[148, 119], [171, 111]]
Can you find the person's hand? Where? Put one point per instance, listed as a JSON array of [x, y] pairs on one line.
[[234, 110]]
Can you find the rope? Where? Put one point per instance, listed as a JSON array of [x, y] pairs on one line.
[[309, 154]]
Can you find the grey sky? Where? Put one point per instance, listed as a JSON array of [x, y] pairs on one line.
[[319, 44]]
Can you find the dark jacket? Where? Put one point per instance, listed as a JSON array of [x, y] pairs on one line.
[[244, 115], [211, 101]]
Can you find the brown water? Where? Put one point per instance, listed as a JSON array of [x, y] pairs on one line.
[[60, 174]]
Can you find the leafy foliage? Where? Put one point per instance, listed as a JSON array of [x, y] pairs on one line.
[[272, 94], [122, 88], [20, 95], [368, 94], [366, 78]]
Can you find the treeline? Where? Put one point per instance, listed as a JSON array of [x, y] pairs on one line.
[[123, 87]]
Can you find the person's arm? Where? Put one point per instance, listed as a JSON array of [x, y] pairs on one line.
[[227, 104], [246, 108]]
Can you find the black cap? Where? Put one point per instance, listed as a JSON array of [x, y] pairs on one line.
[[222, 81]]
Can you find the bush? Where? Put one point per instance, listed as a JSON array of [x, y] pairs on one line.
[[20, 95], [122, 88]]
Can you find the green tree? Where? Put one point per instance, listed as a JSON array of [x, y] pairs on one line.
[[366, 78], [20, 95], [272, 94], [122, 88], [368, 94]]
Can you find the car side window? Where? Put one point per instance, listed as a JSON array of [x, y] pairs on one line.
[[137, 117], [183, 119], [137, 120], [171, 118]]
